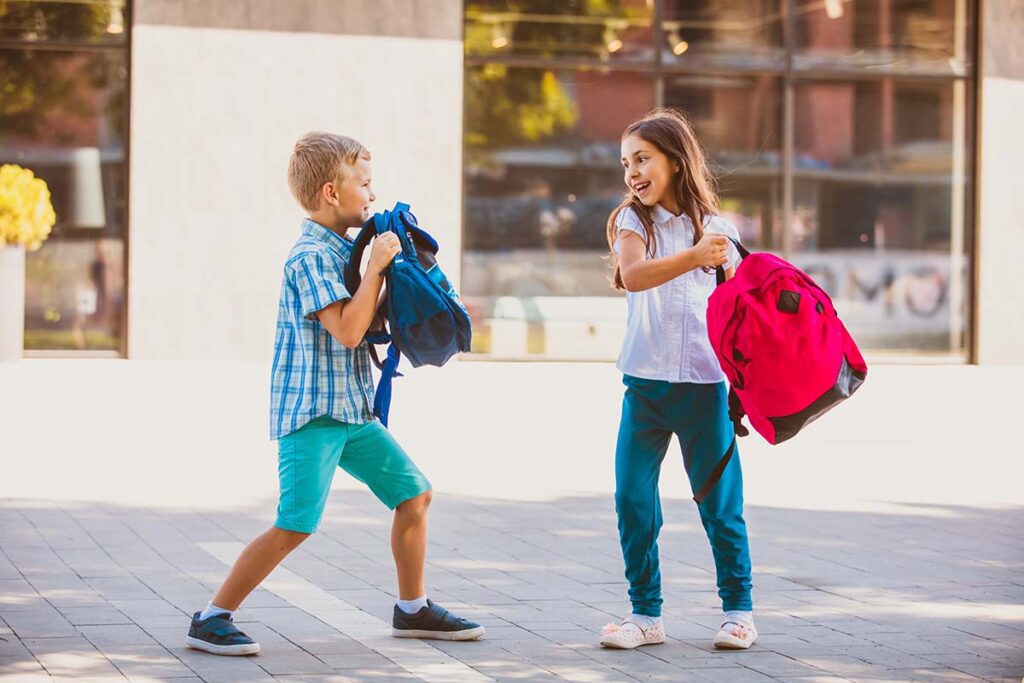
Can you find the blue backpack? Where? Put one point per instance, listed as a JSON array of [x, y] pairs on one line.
[[425, 319]]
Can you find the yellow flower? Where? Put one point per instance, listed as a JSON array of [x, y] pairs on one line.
[[26, 213]]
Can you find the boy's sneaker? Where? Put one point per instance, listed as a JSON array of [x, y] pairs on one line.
[[435, 622], [735, 634], [629, 635], [218, 635]]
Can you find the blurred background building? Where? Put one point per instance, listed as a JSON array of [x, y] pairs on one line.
[[874, 143]]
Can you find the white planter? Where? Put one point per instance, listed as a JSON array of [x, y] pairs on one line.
[[12, 303]]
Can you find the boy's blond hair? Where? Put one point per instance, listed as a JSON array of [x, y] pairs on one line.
[[320, 158]]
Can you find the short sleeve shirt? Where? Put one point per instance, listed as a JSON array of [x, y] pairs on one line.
[[666, 326], [314, 374]]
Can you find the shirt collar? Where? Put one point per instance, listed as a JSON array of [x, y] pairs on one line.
[[661, 215], [325, 234]]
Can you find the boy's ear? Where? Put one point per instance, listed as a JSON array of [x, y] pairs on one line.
[[329, 193]]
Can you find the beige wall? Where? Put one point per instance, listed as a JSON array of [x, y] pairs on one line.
[[215, 112], [1000, 278]]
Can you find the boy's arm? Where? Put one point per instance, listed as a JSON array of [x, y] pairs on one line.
[[377, 323], [347, 320]]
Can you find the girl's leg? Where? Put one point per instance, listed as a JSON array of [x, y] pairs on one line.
[[639, 451], [721, 513], [705, 438]]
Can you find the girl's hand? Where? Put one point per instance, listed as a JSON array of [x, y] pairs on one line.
[[712, 250]]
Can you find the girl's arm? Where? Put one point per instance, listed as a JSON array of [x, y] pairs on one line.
[[639, 273]]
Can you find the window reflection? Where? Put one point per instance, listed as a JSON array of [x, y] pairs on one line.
[[65, 120], [851, 159], [904, 36], [874, 207], [50, 21], [540, 184], [725, 33], [608, 31]]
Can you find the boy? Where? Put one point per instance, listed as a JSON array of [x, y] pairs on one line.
[[321, 408]]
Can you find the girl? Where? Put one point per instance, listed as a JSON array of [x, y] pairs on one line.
[[666, 242]]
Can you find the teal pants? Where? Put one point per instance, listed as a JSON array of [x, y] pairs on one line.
[[652, 411]]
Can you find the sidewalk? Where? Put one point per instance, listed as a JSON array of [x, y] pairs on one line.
[[886, 539]]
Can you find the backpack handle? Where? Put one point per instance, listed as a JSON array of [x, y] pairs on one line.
[[378, 224], [352, 275], [720, 272]]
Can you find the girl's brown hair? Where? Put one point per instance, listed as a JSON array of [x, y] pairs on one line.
[[694, 189]]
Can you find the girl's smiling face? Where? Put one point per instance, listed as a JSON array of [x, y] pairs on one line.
[[648, 172]]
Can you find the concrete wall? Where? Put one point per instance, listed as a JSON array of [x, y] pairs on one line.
[[216, 107], [1000, 279]]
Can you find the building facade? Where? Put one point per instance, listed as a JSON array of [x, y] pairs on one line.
[[871, 142]]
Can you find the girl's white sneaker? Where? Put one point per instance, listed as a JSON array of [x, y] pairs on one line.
[[735, 634], [628, 635]]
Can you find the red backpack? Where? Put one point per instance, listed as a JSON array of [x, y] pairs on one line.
[[778, 339]]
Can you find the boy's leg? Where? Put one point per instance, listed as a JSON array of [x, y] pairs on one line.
[[639, 452], [255, 563], [307, 460], [374, 457], [409, 545]]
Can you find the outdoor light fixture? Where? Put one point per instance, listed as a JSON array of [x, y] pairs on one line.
[[676, 42], [499, 38], [612, 42], [116, 25], [834, 8]]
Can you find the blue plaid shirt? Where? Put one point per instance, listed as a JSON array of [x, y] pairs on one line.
[[314, 374]]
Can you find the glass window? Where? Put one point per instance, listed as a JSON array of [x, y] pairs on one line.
[[75, 297], [841, 145], [723, 33], [899, 36], [608, 31], [64, 117], [54, 21], [542, 174], [738, 120], [878, 206]]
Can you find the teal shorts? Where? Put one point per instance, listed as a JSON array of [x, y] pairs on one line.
[[309, 456]]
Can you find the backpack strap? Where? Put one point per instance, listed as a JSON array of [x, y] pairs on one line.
[[382, 397], [352, 275], [715, 475], [736, 413], [378, 225], [720, 271]]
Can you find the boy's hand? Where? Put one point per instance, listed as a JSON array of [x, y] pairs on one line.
[[384, 249], [712, 250]]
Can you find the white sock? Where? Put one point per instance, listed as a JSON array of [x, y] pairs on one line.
[[644, 621], [212, 609], [413, 606], [746, 617]]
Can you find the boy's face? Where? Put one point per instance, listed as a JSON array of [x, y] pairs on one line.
[[354, 195]]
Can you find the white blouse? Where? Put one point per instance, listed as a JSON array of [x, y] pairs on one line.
[[666, 326]]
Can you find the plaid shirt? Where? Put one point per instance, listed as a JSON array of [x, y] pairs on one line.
[[314, 374]]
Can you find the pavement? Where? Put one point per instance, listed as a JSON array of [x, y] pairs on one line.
[[885, 538]]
